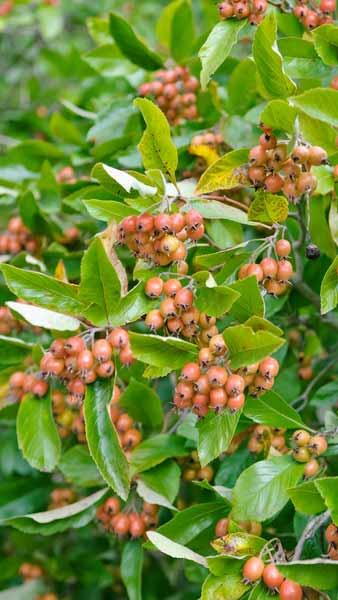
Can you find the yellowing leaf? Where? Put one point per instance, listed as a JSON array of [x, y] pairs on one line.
[[209, 154], [268, 208], [60, 272], [223, 174]]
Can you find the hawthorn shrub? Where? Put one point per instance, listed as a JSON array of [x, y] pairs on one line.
[[169, 290]]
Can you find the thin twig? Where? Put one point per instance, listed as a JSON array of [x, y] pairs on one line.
[[303, 398], [309, 531]]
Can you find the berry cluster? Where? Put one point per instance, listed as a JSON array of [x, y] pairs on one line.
[[252, 527], [209, 385], [331, 536], [192, 469], [76, 365], [61, 497], [264, 437], [124, 523], [160, 239], [274, 274], [306, 450], [17, 238], [174, 91], [252, 10], [177, 312], [311, 15], [68, 420], [30, 571], [255, 570], [274, 170], [21, 383], [129, 435]]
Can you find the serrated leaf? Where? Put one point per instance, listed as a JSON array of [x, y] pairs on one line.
[[103, 441], [306, 498], [156, 450], [272, 410], [327, 487], [78, 467], [261, 491], [108, 210], [279, 115], [217, 47], [247, 347], [275, 83], [120, 182], [131, 568], [156, 146], [268, 208], [38, 437], [164, 479], [42, 317], [317, 133], [259, 324], [224, 173], [329, 288], [325, 40], [158, 351], [215, 433], [132, 46], [318, 103], [250, 301], [215, 301], [318, 573], [43, 290]]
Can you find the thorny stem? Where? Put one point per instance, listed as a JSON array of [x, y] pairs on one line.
[[309, 531]]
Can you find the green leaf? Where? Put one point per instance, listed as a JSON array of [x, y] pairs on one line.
[[325, 396], [275, 83], [103, 441], [247, 347], [142, 403], [318, 103], [13, 351], [132, 46], [333, 220], [215, 433], [306, 498], [261, 491], [215, 301], [43, 290], [155, 450], [279, 115], [65, 130], [182, 31], [191, 522], [57, 520], [268, 208], [149, 495], [108, 210], [318, 573], [318, 133], [156, 146], [325, 41], [19, 497], [132, 306], [327, 487], [223, 174], [217, 47], [272, 410], [258, 324], [42, 317], [131, 568], [100, 284], [163, 479], [329, 289], [159, 351], [325, 179], [173, 549], [212, 209], [227, 587], [260, 592], [77, 466], [120, 182], [250, 301], [319, 227], [242, 76], [239, 544], [37, 434]]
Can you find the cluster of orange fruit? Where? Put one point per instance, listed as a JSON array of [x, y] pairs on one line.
[[255, 570], [61, 497], [126, 428], [17, 238], [331, 536], [192, 469], [174, 92], [311, 15], [307, 448], [124, 522], [272, 168], [68, 419], [161, 239], [274, 274], [254, 10], [263, 437]]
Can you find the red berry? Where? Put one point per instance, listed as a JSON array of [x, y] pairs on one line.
[[218, 398], [102, 350], [145, 223], [74, 345], [40, 388], [269, 367], [217, 376], [193, 219], [285, 270], [154, 287], [222, 527], [269, 266], [112, 506], [85, 360], [126, 356], [256, 271], [154, 320], [137, 526], [118, 338], [272, 577], [290, 590], [283, 248], [168, 308], [184, 299], [184, 390], [253, 569], [235, 403], [171, 287], [234, 385], [121, 524], [105, 369], [257, 156], [273, 183], [191, 372]]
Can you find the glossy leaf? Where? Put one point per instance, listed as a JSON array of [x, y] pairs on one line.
[[13, 351], [318, 103], [132, 46], [215, 433], [224, 173], [329, 289], [38, 437], [108, 210], [173, 549], [306, 498], [317, 573], [228, 587], [142, 403], [215, 301], [42, 317], [77, 466], [160, 351], [261, 491], [247, 347], [120, 182], [250, 301], [325, 41], [212, 209], [217, 47], [131, 568], [239, 544], [279, 114], [103, 441], [327, 487], [155, 450], [272, 410]]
